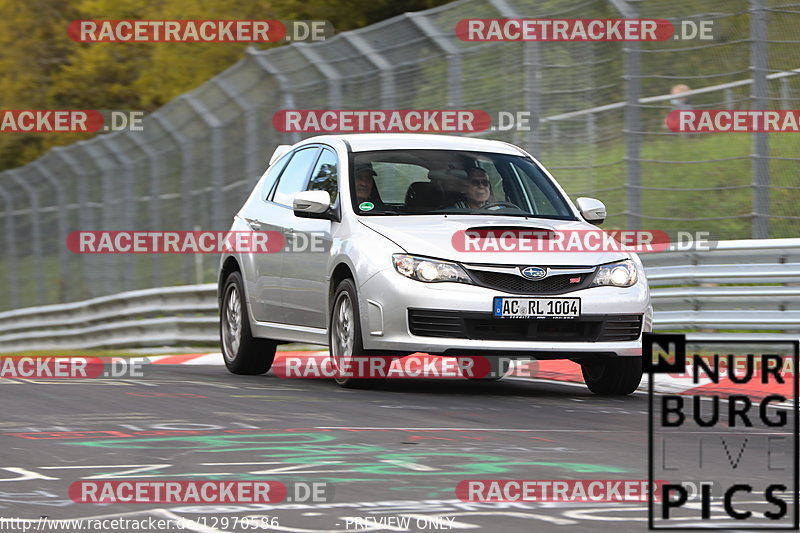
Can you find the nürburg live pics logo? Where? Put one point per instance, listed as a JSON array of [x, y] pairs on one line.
[[723, 433]]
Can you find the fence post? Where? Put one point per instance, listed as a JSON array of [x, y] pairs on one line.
[[126, 206], [531, 78], [85, 218], [332, 77], [110, 217], [187, 177], [631, 77], [380, 63], [36, 229], [61, 205], [785, 94], [591, 141], [252, 132], [760, 165], [283, 82], [155, 201], [217, 159], [10, 248], [531, 59], [217, 193], [452, 54]]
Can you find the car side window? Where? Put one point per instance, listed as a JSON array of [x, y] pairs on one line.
[[295, 176], [325, 176], [271, 175]]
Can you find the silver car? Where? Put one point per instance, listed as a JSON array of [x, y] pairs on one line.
[[372, 264]]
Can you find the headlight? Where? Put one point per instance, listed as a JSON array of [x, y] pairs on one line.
[[429, 270], [622, 274]]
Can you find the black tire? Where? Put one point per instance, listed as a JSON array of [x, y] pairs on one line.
[[617, 376], [344, 334], [242, 353], [498, 368]]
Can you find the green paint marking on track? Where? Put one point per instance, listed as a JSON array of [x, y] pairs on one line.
[[307, 448]]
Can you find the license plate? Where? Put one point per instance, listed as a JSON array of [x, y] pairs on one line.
[[536, 307]]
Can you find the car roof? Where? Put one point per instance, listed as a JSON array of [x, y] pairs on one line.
[[365, 142]]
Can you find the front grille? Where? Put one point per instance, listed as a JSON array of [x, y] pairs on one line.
[[494, 329], [512, 283], [483, 326]]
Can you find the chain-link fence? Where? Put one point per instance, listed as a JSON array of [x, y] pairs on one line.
[[598, 111]]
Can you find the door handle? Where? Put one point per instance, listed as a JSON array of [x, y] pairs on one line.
[[254, 224]]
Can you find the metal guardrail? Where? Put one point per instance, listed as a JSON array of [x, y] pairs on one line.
[[182, 315], [740, 285]]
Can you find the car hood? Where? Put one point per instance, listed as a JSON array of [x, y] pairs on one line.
[[432, 236]]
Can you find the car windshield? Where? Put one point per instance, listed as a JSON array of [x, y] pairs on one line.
[[427, 182]]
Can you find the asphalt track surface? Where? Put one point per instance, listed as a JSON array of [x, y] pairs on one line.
[[397, 451]]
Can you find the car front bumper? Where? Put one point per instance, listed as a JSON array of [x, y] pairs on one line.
[[384, 301]]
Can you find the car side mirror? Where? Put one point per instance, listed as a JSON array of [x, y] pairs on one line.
[[592, 210], [313, 204]]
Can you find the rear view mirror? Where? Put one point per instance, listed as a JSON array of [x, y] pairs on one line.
[[314, 204], [592, 210]]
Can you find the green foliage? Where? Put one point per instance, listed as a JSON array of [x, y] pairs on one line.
[[43, 69]]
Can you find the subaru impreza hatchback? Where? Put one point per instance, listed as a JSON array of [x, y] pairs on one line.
[[374, 265]]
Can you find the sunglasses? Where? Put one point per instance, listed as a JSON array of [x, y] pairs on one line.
[[479, 183]]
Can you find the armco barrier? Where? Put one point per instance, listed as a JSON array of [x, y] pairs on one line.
[[740, 285]]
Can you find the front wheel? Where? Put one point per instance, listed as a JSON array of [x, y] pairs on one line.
[[344, 336], [617, 376], [243, 353]]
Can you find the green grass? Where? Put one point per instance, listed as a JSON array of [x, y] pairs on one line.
[[656, 205]]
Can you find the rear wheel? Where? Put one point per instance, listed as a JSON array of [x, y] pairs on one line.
[[344, 335], [243, 353], [617, 376]]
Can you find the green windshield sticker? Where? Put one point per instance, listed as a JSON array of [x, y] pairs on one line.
[[366, 206]]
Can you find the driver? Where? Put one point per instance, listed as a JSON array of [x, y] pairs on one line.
[[366, 189], [478, 191], [365, 182]]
